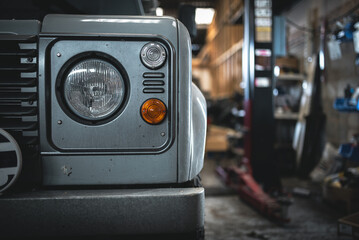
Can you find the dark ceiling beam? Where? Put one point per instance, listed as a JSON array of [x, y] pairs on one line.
[[280, 6], [174, 4]]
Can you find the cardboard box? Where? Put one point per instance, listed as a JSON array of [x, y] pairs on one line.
[[287, 64], [342, 195], [217, 140], [349, 226]]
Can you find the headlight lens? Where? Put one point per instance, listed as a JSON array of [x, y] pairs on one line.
[[94, 89]]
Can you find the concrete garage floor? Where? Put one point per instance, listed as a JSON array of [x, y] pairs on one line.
[[227, 217]]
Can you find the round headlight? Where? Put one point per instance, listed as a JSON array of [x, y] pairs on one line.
[[153, 55], [94, 89]]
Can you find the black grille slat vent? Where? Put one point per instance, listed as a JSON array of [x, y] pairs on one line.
[[153, 75], [153, 83], [20, 53], [16, 124], [16, 82], [153, 90], [18, 38], [17, 111], [18, 67], [18, 94], [18, 72]]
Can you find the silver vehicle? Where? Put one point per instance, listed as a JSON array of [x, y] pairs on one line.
[[101, 127]]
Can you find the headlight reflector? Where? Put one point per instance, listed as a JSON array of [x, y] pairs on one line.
[[94, 89]]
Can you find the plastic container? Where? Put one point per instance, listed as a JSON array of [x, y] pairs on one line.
[[343, 105], [349, 151]]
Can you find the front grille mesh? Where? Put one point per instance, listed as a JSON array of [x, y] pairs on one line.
[[18, 93]]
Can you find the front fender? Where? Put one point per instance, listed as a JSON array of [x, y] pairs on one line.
[[198, 130]]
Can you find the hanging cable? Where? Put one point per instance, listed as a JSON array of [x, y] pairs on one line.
[[349, 12], [309, 30]]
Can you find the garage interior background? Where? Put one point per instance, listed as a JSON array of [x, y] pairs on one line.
[[315, 65], [303, 31]]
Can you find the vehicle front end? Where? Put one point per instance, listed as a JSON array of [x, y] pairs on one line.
[[109, 127]]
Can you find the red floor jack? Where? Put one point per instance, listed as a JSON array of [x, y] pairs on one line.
[[240, 178]]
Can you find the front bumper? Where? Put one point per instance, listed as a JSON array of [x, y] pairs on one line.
[[102, 212]]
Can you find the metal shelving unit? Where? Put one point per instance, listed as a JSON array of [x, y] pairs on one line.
[[286, 118]]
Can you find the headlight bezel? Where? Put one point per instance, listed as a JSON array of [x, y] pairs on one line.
[[65, 70]]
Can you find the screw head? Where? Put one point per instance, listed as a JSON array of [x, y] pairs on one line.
[[163, 134], [59, 122], [58, 54]]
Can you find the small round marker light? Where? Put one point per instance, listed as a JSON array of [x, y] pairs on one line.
[[153, 55], [153, 111]]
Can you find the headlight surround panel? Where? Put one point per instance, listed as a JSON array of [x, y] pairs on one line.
[[124, 130]]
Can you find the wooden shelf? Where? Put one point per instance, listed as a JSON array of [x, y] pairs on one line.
[[221, 56], [286, 116], [229, 53], [238, 13], [291, 77], [203, 58]]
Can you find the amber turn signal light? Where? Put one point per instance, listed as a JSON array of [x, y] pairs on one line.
[[153, 111]]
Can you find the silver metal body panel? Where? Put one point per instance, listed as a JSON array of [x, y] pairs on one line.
[[109, 169], [20, 27], [102, 212], [127, 132], [174, 158], [100, 25]]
